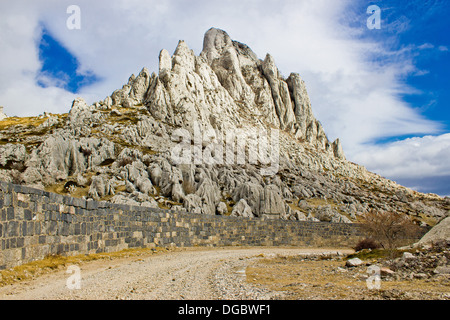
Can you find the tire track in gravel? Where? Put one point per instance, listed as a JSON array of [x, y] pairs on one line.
[[191, 275]]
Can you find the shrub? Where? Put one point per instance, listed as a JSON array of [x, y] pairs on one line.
[[367, 244], [125, 161], [389, 229], [85, 152]]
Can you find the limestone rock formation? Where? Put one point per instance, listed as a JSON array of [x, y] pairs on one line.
[[242, 209], [12, 153], [441, 232], [3, 116], [219, 133]]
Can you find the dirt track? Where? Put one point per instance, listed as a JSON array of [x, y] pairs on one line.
[[197, 274]]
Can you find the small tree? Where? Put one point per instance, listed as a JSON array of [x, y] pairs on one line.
[[389, 229]]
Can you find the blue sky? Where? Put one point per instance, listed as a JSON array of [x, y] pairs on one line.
[[60, 68], [421, 27], [384, 92]]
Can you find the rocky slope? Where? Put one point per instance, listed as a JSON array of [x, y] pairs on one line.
[[122, 149]]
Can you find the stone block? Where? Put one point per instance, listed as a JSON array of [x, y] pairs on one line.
[[10, 213]]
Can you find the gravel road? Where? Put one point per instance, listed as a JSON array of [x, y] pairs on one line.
[[192, 274]]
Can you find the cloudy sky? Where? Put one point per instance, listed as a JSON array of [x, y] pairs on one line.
[[384, 92]]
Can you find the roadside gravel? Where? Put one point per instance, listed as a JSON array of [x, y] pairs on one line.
[[190, 274]]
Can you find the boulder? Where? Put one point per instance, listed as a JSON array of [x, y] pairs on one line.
[[31, 175], [355, 262], [252, 193], [384, 271], [407, 256], [177, 192], [439, 232], [100, 187], [58, 157], [327, 214], [121, 199], [242, 209], [210, 195], [155, 172], [311, 218], [193, 203], [135, 171], [442, 270], [300, 216], [272, 202], [81, 116], [145, 185], [170, 176], [222, 209]]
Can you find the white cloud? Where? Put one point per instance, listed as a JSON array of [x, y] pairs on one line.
[[426, 46], [411, 158]]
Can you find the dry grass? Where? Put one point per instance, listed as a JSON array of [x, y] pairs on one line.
[[25, 121], [28, 122], [59, 189], [56, 262], [302, 280], [311, 280], [294, 206], [431, 221]]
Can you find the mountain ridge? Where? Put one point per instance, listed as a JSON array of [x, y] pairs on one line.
[[119, 149]]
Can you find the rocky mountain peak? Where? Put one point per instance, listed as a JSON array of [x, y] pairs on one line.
[[121, 149], [215, 43]]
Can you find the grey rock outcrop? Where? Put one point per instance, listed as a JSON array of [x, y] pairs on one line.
[[62, 155], [222, 209], [122, 147], [355, 262], [272, 203], [253, 194], [327, 214], [440, 232], [100, 187], [12, 153], [242, 209], [210, 196]]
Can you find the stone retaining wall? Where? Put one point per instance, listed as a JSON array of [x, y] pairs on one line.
[[35, 224]]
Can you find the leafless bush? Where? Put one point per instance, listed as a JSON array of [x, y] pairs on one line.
[[86, 152], [389, 229]]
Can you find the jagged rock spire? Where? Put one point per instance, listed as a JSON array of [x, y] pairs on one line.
[[224, 87]]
